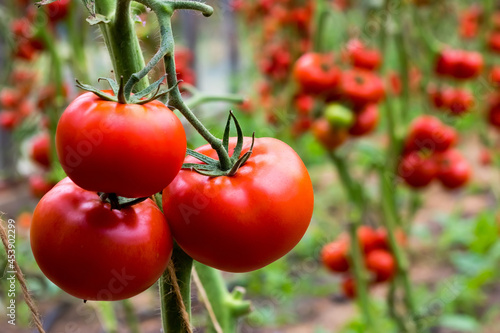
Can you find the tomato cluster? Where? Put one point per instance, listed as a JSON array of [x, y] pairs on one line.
[[455, 101], [272, 23], [428, 154], [348, 97], [376, 251]]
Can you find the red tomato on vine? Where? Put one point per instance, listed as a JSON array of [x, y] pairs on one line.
[[128, 149], [93, 252], [246, 221]]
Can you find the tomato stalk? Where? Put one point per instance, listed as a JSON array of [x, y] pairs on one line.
[[227, 307], [355, 195], [171, 315], [199, 98], [387, 186], [121, 39], [130, 316], [404, 67]]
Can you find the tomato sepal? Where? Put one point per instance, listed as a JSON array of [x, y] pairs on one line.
[[122, 95], [212, 167]]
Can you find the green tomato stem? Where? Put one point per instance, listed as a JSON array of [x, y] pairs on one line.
[[121, 40], [355, 195], [130, 316], [227, 307], [171, 317]]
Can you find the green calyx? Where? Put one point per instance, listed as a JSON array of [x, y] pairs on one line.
[[123, 95], [213, 167], [117, 202], [339, 116]]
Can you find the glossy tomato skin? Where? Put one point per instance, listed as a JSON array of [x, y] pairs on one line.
[[349, 287], [494, 110], [459, 64], [93, 252], [369, 59], [494, 42], [382, 264], [360, 87], [128, 149], [243, 222], [428, 133], [335, 256], [316, 73], [417, 170], [495, 76], [40, 150], [454, 170], [365, 120], [462, 102]]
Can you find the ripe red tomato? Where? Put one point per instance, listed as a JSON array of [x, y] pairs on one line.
[[365, 120], [128, 149], [459, 64], [494, 41], [428, 133], [495, 75], [304, 104], [367, 236], [441, 98], [9, 119], [454, 170], [382, 264], [57, 10], [364, 58], [383, 239], [361, 87], [93, 252], [40, 150], [349, 287], [246, 221], [335, 256], [327, 135], [9, 98], [39, 186], [417, 170], [461, 102], [494, 110], [447, 61], [316, 73]]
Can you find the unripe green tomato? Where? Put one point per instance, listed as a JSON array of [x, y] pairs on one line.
[[339, 116]]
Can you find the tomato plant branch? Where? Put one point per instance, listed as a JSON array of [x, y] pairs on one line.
[[227, 307], [130, 316], [404, 68], [199, 98], [175, 98], [355, 195], [173, 318], [390, 218], [121, 40]]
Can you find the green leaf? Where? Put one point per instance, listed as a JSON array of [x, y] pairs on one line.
[[485, 232], [460, 323]]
